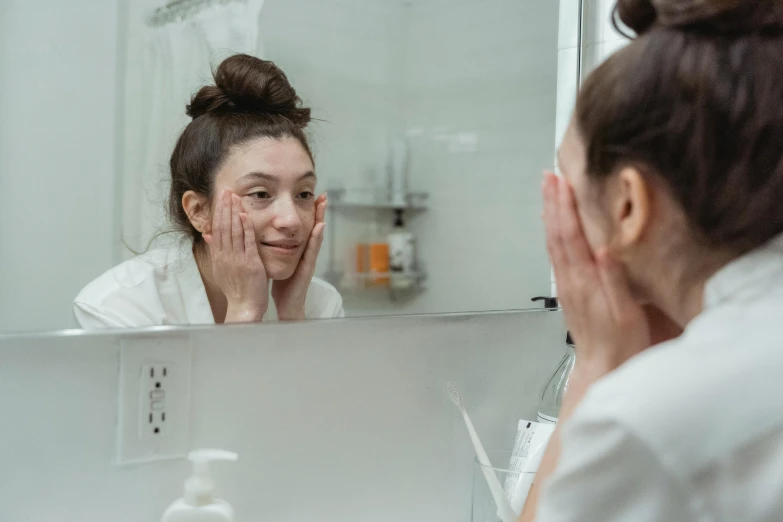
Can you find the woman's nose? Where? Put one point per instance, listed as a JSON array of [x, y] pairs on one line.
[[286, 216]]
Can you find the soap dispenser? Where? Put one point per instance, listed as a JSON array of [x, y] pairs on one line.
[[199, 503]]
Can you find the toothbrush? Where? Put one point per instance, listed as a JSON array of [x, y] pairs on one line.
[[504, 508]]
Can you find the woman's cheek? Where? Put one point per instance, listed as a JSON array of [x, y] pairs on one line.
[[308, 219], [260, 216], [590, 224]]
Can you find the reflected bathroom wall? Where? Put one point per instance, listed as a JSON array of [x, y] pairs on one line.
[[58, 114], [470, 87]]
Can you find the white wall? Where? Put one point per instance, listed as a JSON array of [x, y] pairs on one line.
[[333, 420], [601, 39], [57, 117], [480, 93], [344, 58], [473, 86]]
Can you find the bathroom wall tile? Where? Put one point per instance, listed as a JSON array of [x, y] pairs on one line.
[[591, 57], [592, 27], [608, 32], [598, 25], [610, 47], [596, 54], [567, 86], [480, 100], [568, 32]]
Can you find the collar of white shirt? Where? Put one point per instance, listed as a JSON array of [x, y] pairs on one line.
[[194, 294], [748, 276]]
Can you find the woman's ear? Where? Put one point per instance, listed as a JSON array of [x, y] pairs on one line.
[[197, 209], [632, 206]]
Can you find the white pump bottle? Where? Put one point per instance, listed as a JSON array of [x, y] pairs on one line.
[[199, 503]]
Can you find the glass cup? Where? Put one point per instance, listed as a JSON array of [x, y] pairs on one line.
[[483, 507]]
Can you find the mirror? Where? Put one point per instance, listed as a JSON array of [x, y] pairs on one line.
[[432, 121]]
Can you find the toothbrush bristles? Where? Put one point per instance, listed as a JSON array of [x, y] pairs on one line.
[[454, 393]]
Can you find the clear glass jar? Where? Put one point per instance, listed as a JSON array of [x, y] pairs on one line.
[[552, 396]]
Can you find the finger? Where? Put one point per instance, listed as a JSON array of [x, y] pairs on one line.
[[237, 230], [310, 255], [225, 222], [552, 226], [320, 235], [216, 217], [614, 284], [576, 248], [320, 208], [251, 250]]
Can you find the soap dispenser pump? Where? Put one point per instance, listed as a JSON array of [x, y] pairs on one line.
[[199, 503]]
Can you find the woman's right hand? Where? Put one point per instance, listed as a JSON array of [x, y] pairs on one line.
[[607, 323], [236, 264]]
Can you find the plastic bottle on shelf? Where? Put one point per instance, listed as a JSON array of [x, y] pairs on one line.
[[552, 396], [398, 173], [379, 256], [401, 254]]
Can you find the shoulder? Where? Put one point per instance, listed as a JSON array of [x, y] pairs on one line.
[[672, 395], [601, 461], [126, 276], [125, 295], [323, 300]]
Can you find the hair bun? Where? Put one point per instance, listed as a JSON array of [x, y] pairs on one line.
[[720, 17], [247, 84]]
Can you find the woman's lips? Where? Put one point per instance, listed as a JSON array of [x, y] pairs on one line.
[[282, 248]]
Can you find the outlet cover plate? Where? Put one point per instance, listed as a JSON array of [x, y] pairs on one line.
[[137, 356]]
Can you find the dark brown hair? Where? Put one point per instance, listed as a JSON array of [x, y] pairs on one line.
[[251, 98], [697, 100]]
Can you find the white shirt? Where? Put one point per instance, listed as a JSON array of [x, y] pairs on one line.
[[692, 429], [164, 287]]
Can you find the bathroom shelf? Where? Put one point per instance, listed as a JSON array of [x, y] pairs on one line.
[[342, 198], [369, 200], [353, 281], [416, 277]]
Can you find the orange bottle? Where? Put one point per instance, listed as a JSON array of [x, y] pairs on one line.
[[362, 258], [379, 263]]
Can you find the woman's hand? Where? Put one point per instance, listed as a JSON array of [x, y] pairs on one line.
[[290, 294], [236, 264], [608, 325]]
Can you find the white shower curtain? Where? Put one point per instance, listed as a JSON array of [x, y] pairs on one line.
[[178, 60]]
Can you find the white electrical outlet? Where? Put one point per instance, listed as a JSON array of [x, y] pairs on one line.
[[154, 398], [155, 385]]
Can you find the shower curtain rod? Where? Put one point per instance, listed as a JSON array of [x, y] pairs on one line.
[[177, 10]]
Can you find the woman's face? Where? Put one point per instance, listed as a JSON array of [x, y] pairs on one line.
[[631, 217], [572, 158], [275, 181]]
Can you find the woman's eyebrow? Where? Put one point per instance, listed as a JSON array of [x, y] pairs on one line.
[[274, 179]]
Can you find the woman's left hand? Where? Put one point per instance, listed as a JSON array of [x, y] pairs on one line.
[[290, 294], [608, 325]]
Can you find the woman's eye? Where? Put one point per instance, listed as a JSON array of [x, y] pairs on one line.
[[306, 195], [261, 195]]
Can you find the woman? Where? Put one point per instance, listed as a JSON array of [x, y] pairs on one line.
[[671, 206], [243, 191]]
